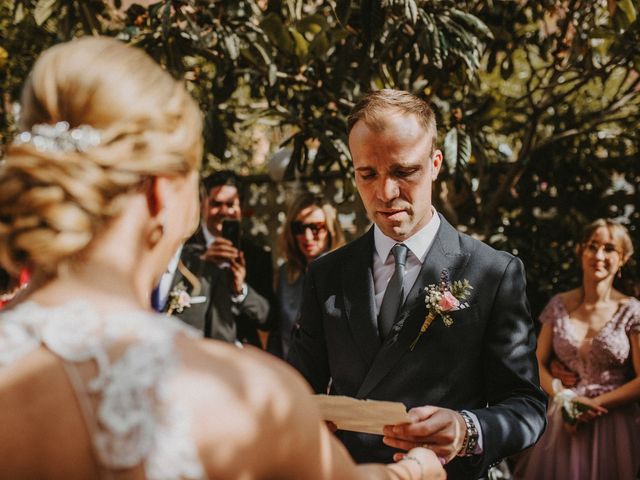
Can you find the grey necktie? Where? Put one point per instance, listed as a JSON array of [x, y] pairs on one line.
[[392, 298]]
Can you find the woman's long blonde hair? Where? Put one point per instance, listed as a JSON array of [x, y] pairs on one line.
[[296, 261], [53, 203]]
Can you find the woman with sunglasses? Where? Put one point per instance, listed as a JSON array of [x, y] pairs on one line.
[[310, 230], [594, 426]]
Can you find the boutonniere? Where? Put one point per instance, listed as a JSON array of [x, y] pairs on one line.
[[441, 298], [179, 299]]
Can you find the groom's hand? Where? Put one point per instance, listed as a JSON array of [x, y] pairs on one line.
[[438, 429]]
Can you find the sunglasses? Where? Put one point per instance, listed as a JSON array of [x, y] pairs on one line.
[[300, 228], [594, 247]]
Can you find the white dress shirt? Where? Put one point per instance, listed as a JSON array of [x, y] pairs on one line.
[[167, 277], [384, 263], [208, 236]]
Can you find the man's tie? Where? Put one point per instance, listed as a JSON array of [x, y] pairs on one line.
[[155, 299], [392, 298]]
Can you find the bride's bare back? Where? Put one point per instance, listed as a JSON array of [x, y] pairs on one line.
[[138, 395]]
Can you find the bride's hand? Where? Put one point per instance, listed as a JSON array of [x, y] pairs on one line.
[[429, 465]]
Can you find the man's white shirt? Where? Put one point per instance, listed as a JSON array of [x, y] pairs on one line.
[[384, 264], [167, 277]]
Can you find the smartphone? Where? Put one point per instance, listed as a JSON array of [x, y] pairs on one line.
[[231, 231]]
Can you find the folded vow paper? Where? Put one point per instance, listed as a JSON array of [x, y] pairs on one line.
[[366, 416]]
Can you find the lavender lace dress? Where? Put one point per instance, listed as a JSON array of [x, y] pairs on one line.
[[608, 447]]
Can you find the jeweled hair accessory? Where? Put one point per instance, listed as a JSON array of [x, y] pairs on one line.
[[59, 138]]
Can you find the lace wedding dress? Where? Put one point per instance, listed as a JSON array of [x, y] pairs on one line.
[[126, 401]]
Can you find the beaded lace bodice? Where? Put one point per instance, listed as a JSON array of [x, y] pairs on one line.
[[603, 361], [130, 414]]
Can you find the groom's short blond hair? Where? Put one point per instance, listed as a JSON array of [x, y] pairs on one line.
[[374, 108]]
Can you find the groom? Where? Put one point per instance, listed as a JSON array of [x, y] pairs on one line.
[[472, 386]]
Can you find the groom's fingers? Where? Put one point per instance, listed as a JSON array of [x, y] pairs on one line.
[[441, 429], [441, 451], [418, 414], [426, 421]]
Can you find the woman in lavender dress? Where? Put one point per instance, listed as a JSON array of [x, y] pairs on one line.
[[595, 331]]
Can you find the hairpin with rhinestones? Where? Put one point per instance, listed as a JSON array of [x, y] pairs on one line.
[[59, 138]]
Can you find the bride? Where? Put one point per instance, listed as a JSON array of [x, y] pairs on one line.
[[96, 194]]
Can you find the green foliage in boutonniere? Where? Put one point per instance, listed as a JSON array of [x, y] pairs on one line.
[[441, 298]]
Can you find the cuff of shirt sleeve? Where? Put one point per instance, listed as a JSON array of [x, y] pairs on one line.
[[239, 298]]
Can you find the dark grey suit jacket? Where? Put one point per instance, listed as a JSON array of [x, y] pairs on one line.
[[255, 311], [214, 317], [485, 362]]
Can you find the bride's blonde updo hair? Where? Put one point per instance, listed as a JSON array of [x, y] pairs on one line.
[[54, 202]]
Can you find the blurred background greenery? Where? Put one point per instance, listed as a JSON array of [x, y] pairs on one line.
[[538, 101]]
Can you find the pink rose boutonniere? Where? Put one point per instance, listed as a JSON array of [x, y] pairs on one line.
[[441, 298], [179, 299]]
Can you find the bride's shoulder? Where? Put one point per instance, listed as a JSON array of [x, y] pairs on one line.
[[247, 368], [242, 399]]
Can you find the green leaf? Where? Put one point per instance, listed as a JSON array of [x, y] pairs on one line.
[[320, 45], [373, 17], [19, 15], [411, 10], [232, 43], [312, 24], [43, 10], [436, 52], [263, 53], [273, 74], [302, 46], [277, 33], [457, 149], [629, 10], [472, 21], [343, 11]]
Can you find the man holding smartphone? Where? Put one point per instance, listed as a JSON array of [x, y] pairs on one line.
[[249, 267]]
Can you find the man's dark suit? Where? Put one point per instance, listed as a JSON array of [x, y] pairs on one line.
[[212, 317], [487, 357], [220, 318]]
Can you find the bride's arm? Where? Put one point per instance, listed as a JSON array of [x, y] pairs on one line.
[[315, 453], [255, 418]]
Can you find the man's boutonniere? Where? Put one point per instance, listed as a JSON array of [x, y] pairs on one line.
[[441, 298], [179, 299]]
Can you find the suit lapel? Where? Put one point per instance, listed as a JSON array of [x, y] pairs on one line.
[[177, 278], [444, 253], [358, 297]]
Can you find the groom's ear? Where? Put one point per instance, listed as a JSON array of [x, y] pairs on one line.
[[435, 163]]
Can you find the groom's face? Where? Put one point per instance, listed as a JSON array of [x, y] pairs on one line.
[[395, 167]]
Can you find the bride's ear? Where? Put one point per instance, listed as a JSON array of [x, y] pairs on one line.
[[156, 195]]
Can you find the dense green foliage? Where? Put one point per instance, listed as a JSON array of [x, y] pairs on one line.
[[538, 101]]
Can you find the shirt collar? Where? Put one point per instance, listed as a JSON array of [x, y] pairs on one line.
[[173, 263], [419, 243], [208, 236]]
